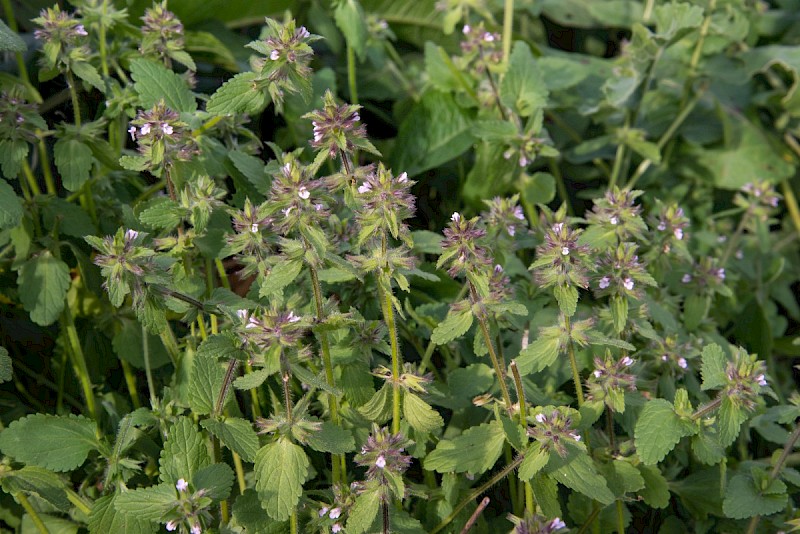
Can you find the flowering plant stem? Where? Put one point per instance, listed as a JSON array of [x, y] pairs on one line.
[[530, 505], [339, 469], [79, 361], [498, 369], [26, 504], [576, 374], [388, 315]]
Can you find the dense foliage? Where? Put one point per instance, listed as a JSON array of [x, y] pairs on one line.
[[335, 266]]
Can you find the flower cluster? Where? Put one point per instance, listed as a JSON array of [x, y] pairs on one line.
[[553, 430], [272, 329], [481, 48], [460, 248], [536, 524], [746, 378], [19, 119], [162, 137], [707, 273], [385, 202], [124, 263], [505, 215], [162, 36], [619, 272], [63, 36], [669, 351], [249, 241], [617, 212], [189, 511], [560, 260], [670, 225], [385, 459], [337, 128], [609, 381], [530, 145], [295, 198], [758, 198]]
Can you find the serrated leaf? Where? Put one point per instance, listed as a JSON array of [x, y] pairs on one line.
[[88, 73], [281, 468], [350, 18], [252, 168], [12, 154], [535, 460], [713, 367], [523, 88], [10, 207], [596, 338], [707, 448], [238, 95], [6, 367], [185, 452], [216, 480], [253, 379], [147, 504], [474, 451], [622, 477], [538, 355], [676, 19], [427, 242], [656, 490], [332, 438], [419, 414], [205, 383], [71, 219], [619, 312], [74, 162], [281, 275], [105, 518], [221, 347], [744, 499], [539, 188], [37, 481], [657, 431], [129, 346], [578, 472], [453, 326], [236, 434], [363, 512], [545, 491], [9, 40], [567, 297], [58, 443], [154, 82], [729, 420], [379, 407], [162, 214]]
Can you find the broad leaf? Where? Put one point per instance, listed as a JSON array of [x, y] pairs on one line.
[[58, 443], [523, 88], [238, 95], [363, 512], [743, 498], [105, 518], [419, 414], [236, 434], [10, 207], [453, 326], [539, 355], [185, 452], [713, 369], [332, 438], [578, 472], [657, 431], [147, 504], [216, 480], [155, 82], [74, 162], [474, 451], [281, 468], [205, 383]]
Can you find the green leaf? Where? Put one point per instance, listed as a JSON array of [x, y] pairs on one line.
[[619, 312], [350, 18], [252, 168], [74, 162], [281, 275], [677, 19], [236, 434], [58, 443], [253, 379], [495, 130], [88, 73], [12, 154], [578, 472], [71, 219], [363, 512], [535, 460], [162, 214], [10, 41], [6, 367], [545, 491], [10, 207], [454, 325], [154, 82], [729, 421], [37, 481], [247, 513], [419, 414], [567, 297], [695, 310], [539, 188], [427, 242], [523, 88], [379, 407], [238, 95], [622, 477], [185, 452], [281, 468], [205, 383], [743, 498], [442, 73], [147, 504], [332, 438], [436, 131], [700, 492], [657, 431], [707, 447], [474, 451], [713, 367], [539, 355], [216, 479], [105, 518], [129, 346], [656, 490]]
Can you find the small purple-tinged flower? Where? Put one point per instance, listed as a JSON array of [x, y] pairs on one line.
[[302, 32], [518, 213], [511, 230], [254, 228], [662, 226], [455, 217], [627, 361], [323, 511], [251, 323], [274, 55], [721, 273], [172, 525], [336, 528], [597, 373], [130, 235], [498, 269], [242, 315], [614, 220], [132, 131], [403, 178], [80, 30], [488, 37], [557, 524], [523, 161], [762, 380], [575, 436], [540, 418], [686, 278], [182, 485], [604, 282], [682, 363], [335, 513], [196, 528], [628, 283], [166, 128], [303, 192], [678, 233], [365, 188], [287, 211], [565, 251], [466, 29], [292, 318], [145, 129], [739, 254], [380, 461]]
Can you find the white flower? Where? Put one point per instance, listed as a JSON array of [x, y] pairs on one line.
[[145, 129], [557, 227], [455, 217], [242, 315], [335, 513], [287, 169], [540, 418], [130, 235], [132, 131], [172, 525], [678, 233], [302, 32], [336, 528], [498, 269], [722, 239], [739, 254], [364, 188], [274, 55], [557, 524], [628, 283], [166, 128], [512, 230], [575, 436], [523, 161], [318, 206], [403, 178], [252, 322], [508, 153], [597, 373], [323, 511], [488, 37], [682, 363], [686, 278], [721, 273], [380, 461], [518, 213], [466, 29], [80, 30], [627, 361], [762, 380], [565, 251], [292, 318], [613, 220], [356, 116], [182, 485], [317, 132], [303, 193], [664, 358], [662, 226], [604, 282], [254, 228], [196, 528]]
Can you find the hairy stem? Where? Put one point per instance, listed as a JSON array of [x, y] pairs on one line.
[[498, 368], [573, 363], [73, 94], [37, 521], [130, 382], [79, 361], [147, 370]]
